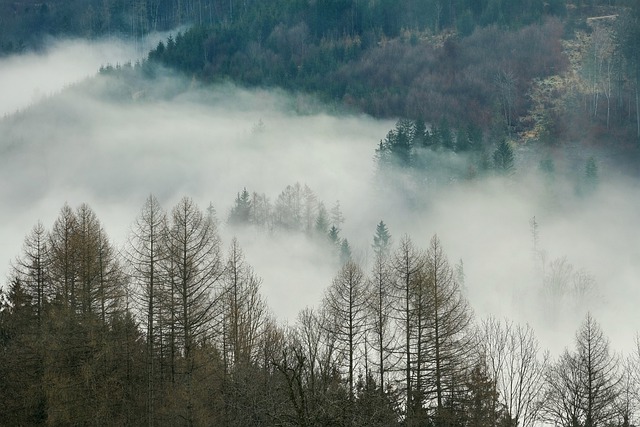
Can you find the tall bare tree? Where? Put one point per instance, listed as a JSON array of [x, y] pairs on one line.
[[449, 319], [32, 270], [379, 310], [582, 387], [243, 311], [345, 303], [196, 268], [64, 254], [145, 253], [511, 354], [407, 263]]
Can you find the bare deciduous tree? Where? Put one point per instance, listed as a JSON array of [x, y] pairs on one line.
[[582, 387]]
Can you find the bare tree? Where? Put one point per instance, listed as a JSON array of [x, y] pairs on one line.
[[582, 387], [511, 356], [63, 255], [449, 319], [379, 309], [345, 303], [32, 270], [243, 310], [407, 264], [145, 253], [195, 268], [98, 269]]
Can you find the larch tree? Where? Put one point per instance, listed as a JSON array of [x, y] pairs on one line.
[[100, 274], [379, 311], [32, 269], [64, 254], [243, 310], [345, 303], [288, 208], [145, 253], [407, 264], [582, 387], [449, 319], [195, 268], [243, 316]]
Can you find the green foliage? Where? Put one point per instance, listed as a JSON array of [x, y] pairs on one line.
[[382, 239], [241, 212], [503, 158]]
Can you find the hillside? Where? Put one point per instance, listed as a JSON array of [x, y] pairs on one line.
[[538, 70]]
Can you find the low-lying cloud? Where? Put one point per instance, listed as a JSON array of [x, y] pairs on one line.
[[209, 143]]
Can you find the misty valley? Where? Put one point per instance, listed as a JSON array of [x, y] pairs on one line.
[[320, 213]]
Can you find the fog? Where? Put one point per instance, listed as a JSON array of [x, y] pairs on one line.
[[29, 78], [175, 138]]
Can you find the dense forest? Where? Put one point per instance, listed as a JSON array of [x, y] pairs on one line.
[[171, 328], [533, 70]]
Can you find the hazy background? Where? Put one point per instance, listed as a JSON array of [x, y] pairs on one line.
[[209, 143]]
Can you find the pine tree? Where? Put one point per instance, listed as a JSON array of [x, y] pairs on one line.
[[503, 158], [241, 213], [381, 240]]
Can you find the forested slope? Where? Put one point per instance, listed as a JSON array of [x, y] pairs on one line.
[[547, 70]]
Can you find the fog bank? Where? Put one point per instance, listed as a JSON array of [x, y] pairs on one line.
[[174, 139]]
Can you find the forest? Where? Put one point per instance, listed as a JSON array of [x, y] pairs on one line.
[[544, 71], [505, 175], [173, 330]]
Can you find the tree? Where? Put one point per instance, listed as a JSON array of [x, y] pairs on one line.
[[379, 311], [145, 255], [503, 158], [381, 240], [510, 353], [448, 320], [407, 264], [479, 406], [582, 387], [310, 209], [322, 220], [334, 236], [505, 82], [630, 46], [261, 210], [32, 270], [345, 302], [288, 207], [337, 217], [22, 364], [64, 253], [243, 317], [194, 269], [241, 212], [243, 313], [99, 271], [345, 251]]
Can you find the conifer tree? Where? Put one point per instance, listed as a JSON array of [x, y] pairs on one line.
[[382, 239]]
